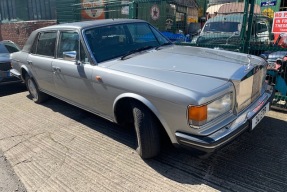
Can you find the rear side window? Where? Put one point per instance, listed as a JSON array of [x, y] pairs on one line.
[[45, 45]]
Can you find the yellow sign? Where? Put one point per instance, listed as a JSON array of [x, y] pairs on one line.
[[191, 19], [268, 12]]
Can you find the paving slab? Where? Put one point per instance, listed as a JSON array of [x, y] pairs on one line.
[[55, 146]]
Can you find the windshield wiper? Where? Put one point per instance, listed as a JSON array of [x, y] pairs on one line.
[[164, 44], [135, 51]]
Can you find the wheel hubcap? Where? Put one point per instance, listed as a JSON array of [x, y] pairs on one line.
[[32, 89]]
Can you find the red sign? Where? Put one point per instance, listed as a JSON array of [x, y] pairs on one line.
[[279, 22], [88, 13]]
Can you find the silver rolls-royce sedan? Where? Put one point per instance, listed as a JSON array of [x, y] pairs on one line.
[[127, 72]]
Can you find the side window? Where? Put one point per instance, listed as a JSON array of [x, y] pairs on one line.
[[69, 41], [46, 44], [34, 46]]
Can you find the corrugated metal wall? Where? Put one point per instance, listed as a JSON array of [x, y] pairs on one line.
[[23, 10], [68, 11]]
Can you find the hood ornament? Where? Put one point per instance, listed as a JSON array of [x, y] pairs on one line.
[[249, 62]]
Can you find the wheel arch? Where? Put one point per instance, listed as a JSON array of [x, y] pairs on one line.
[[128, 97], [25, 71]]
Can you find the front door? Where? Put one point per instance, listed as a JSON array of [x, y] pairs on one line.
[[72, 75]]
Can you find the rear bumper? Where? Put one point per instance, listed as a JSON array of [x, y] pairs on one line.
[[7, 77], [229, 132], [15, 73]]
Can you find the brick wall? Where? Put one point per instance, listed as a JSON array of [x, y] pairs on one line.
[[19, 32]]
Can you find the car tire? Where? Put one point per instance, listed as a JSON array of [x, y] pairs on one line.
[[147, 131], [37, 96]]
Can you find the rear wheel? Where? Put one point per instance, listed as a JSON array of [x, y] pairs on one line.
[[37, 96], [147, 131]]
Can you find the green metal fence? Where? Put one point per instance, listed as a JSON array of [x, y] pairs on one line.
[[167, 15], [241, 26]]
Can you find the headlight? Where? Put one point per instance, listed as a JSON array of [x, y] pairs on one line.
[[199, 115]]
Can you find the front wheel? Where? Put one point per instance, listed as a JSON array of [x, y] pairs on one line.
[[37, 96], [147, 131]]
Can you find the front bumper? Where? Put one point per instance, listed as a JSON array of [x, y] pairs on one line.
[[227, 133]]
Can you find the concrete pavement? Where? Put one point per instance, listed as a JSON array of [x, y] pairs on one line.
[[58, 147]]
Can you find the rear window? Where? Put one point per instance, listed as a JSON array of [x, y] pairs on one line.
[[7, 47]]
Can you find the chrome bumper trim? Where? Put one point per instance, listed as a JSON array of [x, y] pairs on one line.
[[15, 73]]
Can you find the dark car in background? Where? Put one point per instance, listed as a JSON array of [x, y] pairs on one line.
[[271, 57], [6, 48]]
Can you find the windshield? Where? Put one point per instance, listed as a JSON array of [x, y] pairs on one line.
[[227, 27], [115, 41]]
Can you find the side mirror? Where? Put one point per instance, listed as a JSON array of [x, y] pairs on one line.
[[70, 55]]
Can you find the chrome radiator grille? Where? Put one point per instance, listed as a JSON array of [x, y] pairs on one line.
[[249, 88]]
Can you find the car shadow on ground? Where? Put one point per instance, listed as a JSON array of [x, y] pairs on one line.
[[12, 88], [255, 161]]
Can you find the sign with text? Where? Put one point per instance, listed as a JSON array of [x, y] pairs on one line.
[[90, 10], [279, 22], [268, 3]]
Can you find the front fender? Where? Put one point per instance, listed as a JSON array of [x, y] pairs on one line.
[[149, 105]]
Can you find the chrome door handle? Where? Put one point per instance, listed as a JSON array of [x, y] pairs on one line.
[[56, 69], [29, 62]]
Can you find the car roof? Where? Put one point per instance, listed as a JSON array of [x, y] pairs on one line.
[[87, 24], [230, 17], [235, 17], [77, 26]]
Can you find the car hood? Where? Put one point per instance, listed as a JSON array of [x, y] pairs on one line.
[[184, 65]]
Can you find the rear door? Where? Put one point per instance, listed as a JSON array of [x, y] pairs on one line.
[[40, 60]]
